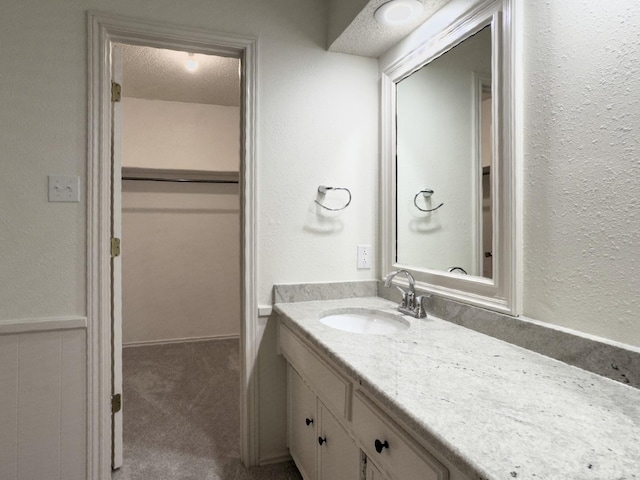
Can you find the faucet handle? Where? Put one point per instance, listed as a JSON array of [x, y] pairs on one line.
[[411, 299], [419, 307], [405, 297]]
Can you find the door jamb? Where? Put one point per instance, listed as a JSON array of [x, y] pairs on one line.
[[103, 30]]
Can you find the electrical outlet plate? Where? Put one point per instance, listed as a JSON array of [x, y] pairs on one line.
[[364, 257], [64, 188]]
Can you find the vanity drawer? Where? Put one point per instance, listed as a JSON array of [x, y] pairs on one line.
[[401, 457], [331, 387]]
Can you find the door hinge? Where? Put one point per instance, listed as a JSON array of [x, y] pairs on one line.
[[115, 247], [116, 91], [116, 403]]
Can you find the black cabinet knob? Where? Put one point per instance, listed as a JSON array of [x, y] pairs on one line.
[[322, 440], [381, 445], [308, 421]]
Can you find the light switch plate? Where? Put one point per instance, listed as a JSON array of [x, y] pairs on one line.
[[64, 188]]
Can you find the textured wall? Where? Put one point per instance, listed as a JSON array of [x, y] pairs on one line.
[[181, 242], [341, 14], [318, 126], [581, 172], [160, 134], [317, 122], [317, 115], [180, 261]]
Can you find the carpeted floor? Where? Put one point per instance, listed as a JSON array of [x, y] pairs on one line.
[[182, 416]]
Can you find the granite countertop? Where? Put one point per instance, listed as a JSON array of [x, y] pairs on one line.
[[497, 411]]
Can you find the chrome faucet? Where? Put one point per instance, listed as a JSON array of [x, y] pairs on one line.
[[411, 305]]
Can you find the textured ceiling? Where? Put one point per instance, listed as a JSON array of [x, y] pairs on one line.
[[366, 37], [159, 74]]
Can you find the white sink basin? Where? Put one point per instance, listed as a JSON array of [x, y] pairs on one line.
[[364, 321]]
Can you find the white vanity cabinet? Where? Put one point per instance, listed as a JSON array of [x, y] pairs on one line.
[[372, 473], [389, 447], [336, 433], [319, 445], [339, 456], [302, 421], [317, 394]]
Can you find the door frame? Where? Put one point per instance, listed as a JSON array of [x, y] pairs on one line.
[[103, 30]]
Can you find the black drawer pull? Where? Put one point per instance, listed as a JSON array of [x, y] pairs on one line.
[[308, 421], [322, 440], [380, 445]]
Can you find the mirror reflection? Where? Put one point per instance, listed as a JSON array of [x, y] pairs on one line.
[[444, 158]]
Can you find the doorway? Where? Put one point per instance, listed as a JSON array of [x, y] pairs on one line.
[[104, 32], [179, 123]]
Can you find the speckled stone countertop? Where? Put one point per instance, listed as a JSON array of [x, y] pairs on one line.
[[497, 411]]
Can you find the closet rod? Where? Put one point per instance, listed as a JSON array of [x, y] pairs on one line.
[[177, 180]]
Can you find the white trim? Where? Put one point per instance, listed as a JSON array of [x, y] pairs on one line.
[[45, 324], [480, 82], [458, 21], [102, 31], [276, 458], [169, 341], [516, 33]]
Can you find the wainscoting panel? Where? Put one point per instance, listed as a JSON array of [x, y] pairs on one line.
[[43, 399], [9, 402]]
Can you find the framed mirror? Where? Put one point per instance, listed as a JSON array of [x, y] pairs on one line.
[[449, 172]]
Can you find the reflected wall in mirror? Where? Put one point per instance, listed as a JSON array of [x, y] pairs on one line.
[[443, 147], [449, 202]]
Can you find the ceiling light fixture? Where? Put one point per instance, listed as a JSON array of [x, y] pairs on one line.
[[192, 64], [398, 12]]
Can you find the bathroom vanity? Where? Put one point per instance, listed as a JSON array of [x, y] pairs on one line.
[[331, 418], [438, 401]]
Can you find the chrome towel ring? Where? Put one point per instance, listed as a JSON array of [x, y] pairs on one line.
[[426, 193], [322, 190]]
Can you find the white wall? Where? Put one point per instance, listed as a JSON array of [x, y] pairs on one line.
[[180, 242], [188, 136], [436, 150], [317, 115], [317, 122], [341, 14], [581, 176], [180, 261], [581, 167]]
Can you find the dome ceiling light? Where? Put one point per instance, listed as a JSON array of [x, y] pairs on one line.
[[191, 63], [398, 12]]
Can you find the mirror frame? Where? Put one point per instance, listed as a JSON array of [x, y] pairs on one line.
[[447, 28]]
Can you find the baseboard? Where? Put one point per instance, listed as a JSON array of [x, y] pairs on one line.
[[46, 324], [181, 340], [278, 458]]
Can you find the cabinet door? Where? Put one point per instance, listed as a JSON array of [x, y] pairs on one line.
[[394, 451], [372, 471], [303, 439], [339, 458]]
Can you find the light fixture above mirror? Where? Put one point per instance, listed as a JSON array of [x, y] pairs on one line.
[[448, 129]]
